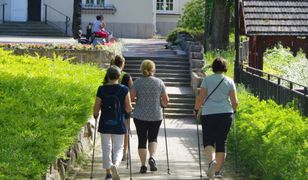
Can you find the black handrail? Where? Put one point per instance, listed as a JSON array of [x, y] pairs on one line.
[[260, 72], [67, 18], [3, 11]]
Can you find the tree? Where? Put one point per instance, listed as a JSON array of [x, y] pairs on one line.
[[76, 26], [219, 27]]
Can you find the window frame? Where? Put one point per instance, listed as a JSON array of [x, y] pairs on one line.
[[164, 6]]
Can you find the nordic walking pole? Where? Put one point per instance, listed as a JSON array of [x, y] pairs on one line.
[[129, 152], [235, 142], [93, 148], [166, 141], [199, 152]]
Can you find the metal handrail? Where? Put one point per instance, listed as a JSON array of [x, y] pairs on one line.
[[3, 11], [67, 18], [260, 73]]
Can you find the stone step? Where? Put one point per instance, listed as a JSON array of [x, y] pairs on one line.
[[181, 105], [181, 100], [29, 29], [177, 84], [178, 115], [170, 62], [179, 110], [156, 59], [160, 75], [170, 71], [159, 66], [169, 79]]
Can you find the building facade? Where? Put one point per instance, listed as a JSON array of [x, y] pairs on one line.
[[125, 18]]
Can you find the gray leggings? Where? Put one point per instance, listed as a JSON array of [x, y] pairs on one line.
[[215, 129]]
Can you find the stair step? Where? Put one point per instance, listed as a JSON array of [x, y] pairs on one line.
[[177, 84], [178, 115], [171, 71], [160, 75], [156, 59], [159, 66], [168, 62]]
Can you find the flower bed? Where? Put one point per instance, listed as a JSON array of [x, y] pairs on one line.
[[43, 105], [77, 53]]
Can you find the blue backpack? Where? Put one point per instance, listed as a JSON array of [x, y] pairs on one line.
[[111, 109]]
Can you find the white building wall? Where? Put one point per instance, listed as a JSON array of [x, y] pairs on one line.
[[66, 7], [167, 21], [132, 19]]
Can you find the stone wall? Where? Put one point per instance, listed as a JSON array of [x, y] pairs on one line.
[[62, 166], [99, 57], [195, 52]]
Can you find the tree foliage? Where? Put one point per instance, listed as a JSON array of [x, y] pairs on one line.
[[193, 16]]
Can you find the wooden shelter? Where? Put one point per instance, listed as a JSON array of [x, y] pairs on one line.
[[268, 22]]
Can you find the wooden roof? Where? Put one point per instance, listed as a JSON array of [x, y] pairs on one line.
[[276, 17]]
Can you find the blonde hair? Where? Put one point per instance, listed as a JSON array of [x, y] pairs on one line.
[[147, 67]]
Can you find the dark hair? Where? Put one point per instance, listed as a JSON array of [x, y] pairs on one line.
[[99, 17], [118, 61], [219, 65], [113, 73]]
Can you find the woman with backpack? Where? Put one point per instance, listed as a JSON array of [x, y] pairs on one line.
[[150, 95], [114, 101], [127, 81], [217, 102]]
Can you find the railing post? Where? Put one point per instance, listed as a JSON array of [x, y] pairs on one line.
[[45, 13], [66, 24], [3, 13], [305, 101]]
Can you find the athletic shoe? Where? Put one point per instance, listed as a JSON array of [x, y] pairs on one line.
[[211, 170], [143, 169], [115, 173], [152, 164], [218, 175], [108, 177]]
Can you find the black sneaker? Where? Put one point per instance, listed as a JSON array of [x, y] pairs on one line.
[[152, 164], [218, 175], [143, 169], [108, 177]]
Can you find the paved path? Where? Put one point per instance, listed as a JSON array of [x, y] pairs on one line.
[[181, 133], [183, 156]]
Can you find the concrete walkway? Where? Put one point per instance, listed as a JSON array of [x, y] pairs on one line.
[[182, 150]]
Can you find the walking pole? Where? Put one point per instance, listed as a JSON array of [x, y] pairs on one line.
[[166, 141], [93, 148], [235, 143], [199, 152], [129, 152]]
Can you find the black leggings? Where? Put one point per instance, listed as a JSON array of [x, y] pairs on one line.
[[215, 129], [146, 130]]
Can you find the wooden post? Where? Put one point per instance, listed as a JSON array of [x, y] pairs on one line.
[[237, 43]]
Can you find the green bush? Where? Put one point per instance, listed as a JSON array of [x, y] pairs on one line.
[[43, 104], [193, 15], [272, 140], [172, 36]]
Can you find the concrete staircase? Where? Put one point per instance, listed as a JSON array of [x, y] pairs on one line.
[[29, 29], [174, 71]]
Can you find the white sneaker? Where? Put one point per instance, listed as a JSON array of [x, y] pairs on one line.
[[211, 170], [115, 173]]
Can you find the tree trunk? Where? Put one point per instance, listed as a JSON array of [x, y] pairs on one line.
[[76, 26], [220, 27]]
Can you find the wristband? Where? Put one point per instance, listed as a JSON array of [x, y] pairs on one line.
[[196, 110], [95, 116]]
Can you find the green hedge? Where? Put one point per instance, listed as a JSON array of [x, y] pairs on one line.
[[43, 104], [272, 140]]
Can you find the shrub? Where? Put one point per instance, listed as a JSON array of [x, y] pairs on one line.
[[272, 140], [193, 15], [172, 36], [43, 104]]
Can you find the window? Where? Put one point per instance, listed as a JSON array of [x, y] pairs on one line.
[[94, 3], [164, 5]]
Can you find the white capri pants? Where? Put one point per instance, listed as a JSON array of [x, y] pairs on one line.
[[117, 140]]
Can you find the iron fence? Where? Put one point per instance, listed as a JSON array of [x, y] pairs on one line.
[[267, 86]]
